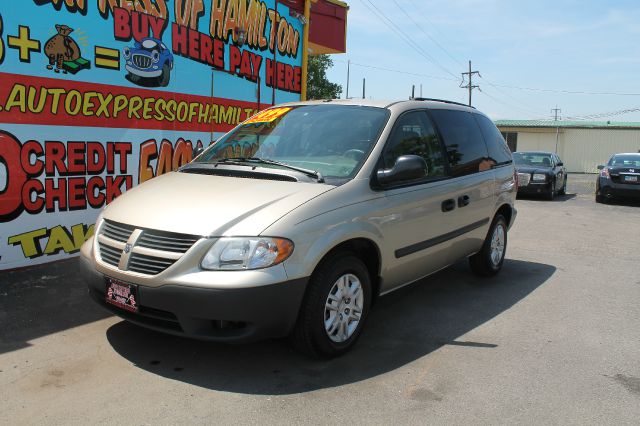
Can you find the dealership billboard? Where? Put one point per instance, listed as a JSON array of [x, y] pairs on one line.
[[97, 96]]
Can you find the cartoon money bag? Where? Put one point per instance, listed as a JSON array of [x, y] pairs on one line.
[[63, 52]]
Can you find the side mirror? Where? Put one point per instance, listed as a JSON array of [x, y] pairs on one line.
[[406, 168], [560, 164], [600, 167], [197, 151]]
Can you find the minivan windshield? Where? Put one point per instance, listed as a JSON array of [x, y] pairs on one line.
[[333, 140]]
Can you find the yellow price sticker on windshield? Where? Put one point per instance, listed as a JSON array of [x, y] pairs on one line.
[[268, 115]]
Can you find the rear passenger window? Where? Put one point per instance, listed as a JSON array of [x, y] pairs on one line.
[[466, 150], [498, 150], [413, 134]]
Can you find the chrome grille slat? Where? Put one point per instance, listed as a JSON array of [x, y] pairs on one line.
[[109, 254], [110, 258], [149, 261], [117, 231], [166, 241], [147, 264], [158, 237]]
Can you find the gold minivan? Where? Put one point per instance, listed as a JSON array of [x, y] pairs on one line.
[[295, 221]]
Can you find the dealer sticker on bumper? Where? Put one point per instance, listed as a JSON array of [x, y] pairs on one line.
[[121, 294]]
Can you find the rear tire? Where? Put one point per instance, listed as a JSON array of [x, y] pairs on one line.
[[334, 308], [488, 261]]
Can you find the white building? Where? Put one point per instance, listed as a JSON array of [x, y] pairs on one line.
[[581, 145]]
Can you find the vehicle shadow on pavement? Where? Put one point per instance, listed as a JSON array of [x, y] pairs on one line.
[[402, 327], [42, 300], [563, 197], [628, 202]]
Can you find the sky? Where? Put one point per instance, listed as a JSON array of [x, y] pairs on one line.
[[582, 57]]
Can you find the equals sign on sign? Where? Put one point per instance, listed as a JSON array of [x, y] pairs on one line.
[[107, 58]]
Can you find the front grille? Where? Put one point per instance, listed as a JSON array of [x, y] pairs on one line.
[[149, 265], [110, 254], [145, 251], [523, 179], [167, 241], [142, 61]]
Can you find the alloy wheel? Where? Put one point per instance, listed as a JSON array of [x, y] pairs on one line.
[[343, 308], [497, 244]]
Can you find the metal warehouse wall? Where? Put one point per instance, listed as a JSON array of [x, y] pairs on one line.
[[584, 149], [580, 149]]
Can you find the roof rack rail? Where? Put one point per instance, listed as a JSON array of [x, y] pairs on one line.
[[441, 100]]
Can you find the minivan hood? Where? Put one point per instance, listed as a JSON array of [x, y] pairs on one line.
[[210, 205]]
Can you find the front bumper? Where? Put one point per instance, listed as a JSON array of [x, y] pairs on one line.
[[224, 315], [610, 189], [535, 188]]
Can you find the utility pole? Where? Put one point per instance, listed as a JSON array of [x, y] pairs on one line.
[[348, 65], [469, 86], [556, 112], [363, 87]]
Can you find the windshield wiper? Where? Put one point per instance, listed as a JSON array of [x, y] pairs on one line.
[[253, 160]]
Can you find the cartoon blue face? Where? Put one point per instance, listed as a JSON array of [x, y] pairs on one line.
[[148, 62]]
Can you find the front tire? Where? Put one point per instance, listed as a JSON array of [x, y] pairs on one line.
[[552, 192], [563, 190], [488, 261], [335, 307]]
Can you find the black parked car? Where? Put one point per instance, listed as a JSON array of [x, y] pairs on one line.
[[540, 173], [619, 178]]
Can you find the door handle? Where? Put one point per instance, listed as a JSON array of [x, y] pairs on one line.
[[463, 201], [448, 205]]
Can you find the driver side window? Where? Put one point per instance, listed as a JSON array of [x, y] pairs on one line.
[[413, 134]]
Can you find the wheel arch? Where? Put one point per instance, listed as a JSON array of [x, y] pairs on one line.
[[367, 251], [506, 211]]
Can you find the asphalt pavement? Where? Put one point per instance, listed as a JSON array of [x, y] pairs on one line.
[[553, 339]]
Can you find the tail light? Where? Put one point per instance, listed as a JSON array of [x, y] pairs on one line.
[[604, 173]]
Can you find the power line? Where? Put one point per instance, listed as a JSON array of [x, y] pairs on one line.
[[512, 106], [570, 92], [424, 17], [427, 34], [397, 71], [532, 110], [398, 31], [604, 114]]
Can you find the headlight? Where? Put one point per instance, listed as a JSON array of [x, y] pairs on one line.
[[239, 253], [127, 53], [155, 56], [539, 176]]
